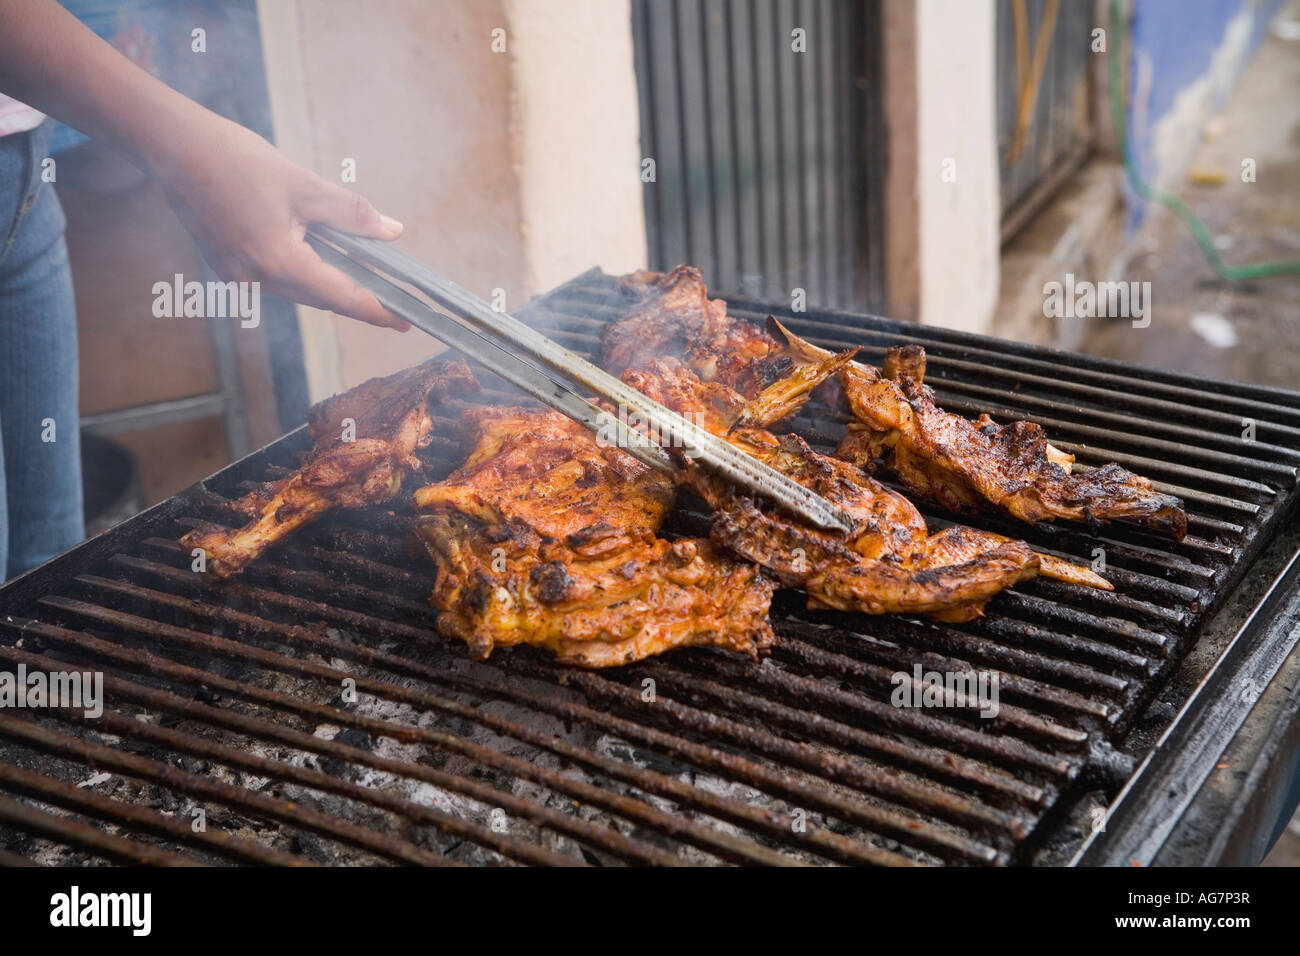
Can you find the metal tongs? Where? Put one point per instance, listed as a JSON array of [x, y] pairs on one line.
[[549, 372]]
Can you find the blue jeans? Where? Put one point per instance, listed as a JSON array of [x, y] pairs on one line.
[[40, 445]]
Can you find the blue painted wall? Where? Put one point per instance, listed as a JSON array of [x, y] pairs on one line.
[[1178, 38]]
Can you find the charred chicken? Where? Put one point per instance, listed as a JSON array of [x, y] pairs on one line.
[[365, 443], [888, 563]]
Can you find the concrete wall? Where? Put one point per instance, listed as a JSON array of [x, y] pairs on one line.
[[511, 168], [902, 196], [516, 170], [577, 138]]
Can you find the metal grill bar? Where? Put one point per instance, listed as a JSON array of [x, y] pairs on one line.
[[701, 755], [199, 787], [257, 728], [58, 793], [334, 715], [76, 833], [282, 576]]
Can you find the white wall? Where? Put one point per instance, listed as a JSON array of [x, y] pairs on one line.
[[577, 138], [519, 170], [958, 245]]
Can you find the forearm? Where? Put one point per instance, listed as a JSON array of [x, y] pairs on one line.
[[50, 61], [245, 204]]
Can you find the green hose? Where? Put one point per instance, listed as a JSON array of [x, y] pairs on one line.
[[1173, 203]]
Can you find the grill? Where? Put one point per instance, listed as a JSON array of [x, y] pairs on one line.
[[310, 713]]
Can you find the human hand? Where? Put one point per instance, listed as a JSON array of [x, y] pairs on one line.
[[247, 206]]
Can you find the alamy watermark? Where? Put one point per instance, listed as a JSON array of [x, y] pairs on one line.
[[1083, 299], [208, 300], [76, 690], [73, 909], [967, 689]]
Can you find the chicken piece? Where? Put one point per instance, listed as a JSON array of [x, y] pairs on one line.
[[548, 471], [963, 465], [502, 585], [884, 566], [979, 465], [721, 410], [888, 563], [365, 442], [674, 317], [546, 537], [787, 395]]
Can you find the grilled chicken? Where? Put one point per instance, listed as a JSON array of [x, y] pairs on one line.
[[964, 465], [674, 317], [979, 465], [546, 537], [888, 563], [365, 442]]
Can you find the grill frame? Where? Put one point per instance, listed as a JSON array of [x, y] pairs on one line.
[[1046, 670], [1181, 807]]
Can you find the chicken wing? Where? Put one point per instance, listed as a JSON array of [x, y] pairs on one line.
[[365, 442]]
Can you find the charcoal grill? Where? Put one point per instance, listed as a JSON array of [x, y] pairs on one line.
[[310, 713]]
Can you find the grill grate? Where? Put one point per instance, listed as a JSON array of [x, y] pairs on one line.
[[237, 698]]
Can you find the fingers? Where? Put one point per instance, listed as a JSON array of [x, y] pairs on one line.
[[312, 282], [348, 211]]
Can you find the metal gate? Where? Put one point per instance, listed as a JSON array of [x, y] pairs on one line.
[[1044, 122], [763, 145]]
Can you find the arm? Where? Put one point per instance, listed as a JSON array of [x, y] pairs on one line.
[[245, 204]]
